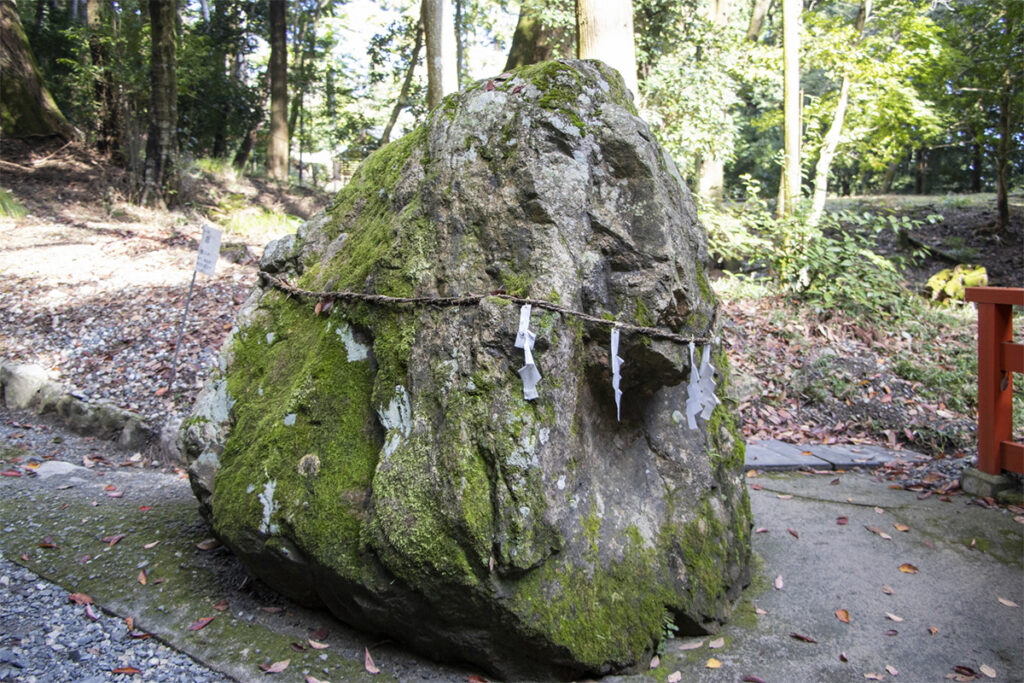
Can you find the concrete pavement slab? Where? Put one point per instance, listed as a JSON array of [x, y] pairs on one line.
[[775, 455]]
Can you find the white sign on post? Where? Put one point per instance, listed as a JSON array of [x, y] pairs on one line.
[[209, 250]]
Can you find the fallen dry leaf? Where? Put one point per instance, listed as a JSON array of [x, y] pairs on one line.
[[759, 611], [753, 679], [793, 533], [784, 496], [874, 677], [987, 670], [655, 662], [892, 632], [1008, 603], [761, 530], [368, 662], [320, 633], [80, 598], [843, 616], [843, 657], [201, 623], [887, 589], [876, 530], [932, 630], [908, 568], [717, 643], [276, 667], [901, 527], [113, 540], [313, 679], [125, 671], [713, 663], [297, 647], [317, 645], [893, 617], [221, 606], [91, 614], [130, 623], [473, 678], [800, 636], [150, 546], [842, 520], [778, 582], [142, 577], [208, 544], [675, 677], [893, 671], [879, 510], [692, 646]]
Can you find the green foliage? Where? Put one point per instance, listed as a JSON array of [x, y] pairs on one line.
[[10, 206], [832, 265]]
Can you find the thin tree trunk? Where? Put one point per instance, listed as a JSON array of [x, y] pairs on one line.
[[790, 190], [1003, 148], [757, 14], [604, 30], [403, 96], [830, 144], [277, 148], [159, 171], [711, 168], [26, 106], [921, 169], [890, 175], [439, 36], [460, 47], [975, 167]]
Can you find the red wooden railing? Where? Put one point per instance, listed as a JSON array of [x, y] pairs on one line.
[[998, 358]]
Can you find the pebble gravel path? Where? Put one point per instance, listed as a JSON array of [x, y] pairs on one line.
[[46, 638]]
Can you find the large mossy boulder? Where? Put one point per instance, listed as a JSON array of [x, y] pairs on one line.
[[380, 460]]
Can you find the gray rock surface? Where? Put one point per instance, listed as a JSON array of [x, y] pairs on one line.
[[21, 383], [382, 461]]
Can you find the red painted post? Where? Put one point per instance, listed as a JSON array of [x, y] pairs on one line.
[[995, 379]]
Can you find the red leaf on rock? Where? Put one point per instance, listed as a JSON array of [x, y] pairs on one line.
[[892, 632], [47, 542], [298, 647], [753, 679], [802, 637], [842, 520], [221, 606], [80, 598], [91, 614], [125, 671], [843, 616], [160, 392], [490, 86], [201, 623], [793, 533], [11, 473], [319, 634], [473, 678]]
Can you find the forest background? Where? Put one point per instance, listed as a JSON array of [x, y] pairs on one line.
[[819, 235]]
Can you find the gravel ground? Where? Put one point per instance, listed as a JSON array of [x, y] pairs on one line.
[[46, 637]]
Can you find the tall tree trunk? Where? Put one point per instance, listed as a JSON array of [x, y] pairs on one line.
[[26, 106], [159, 173], [104, 89], [790, 191], [277, 147], [890, 175], [757, 14], [975, 166], [921, 171], [711, 167], [439, 34], [460, 44], [403, 96], [831, 142], [534, 41], [604, 30], [1003, 148]]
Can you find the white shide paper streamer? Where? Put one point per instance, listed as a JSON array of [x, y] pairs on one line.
[[700, 398], [525, 340], [616, 373]]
